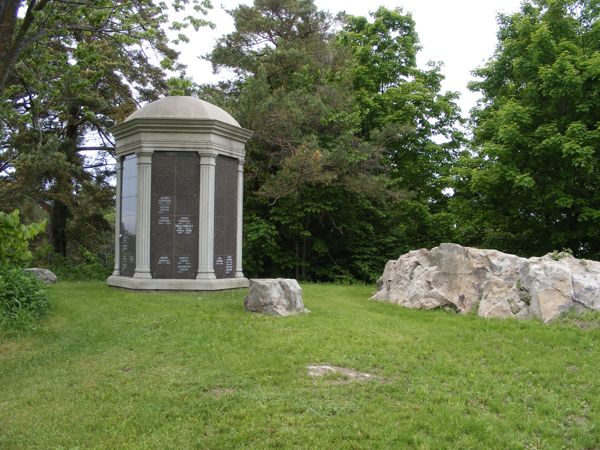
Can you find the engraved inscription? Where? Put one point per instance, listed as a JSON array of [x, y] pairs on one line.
[[229, 264], [164, 204], [164, 220], [184, 226], [164, 260], [184, 264]]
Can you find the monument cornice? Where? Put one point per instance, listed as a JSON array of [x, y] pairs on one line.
[[171, 125]]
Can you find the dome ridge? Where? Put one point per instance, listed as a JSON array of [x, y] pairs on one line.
[[183, 107]]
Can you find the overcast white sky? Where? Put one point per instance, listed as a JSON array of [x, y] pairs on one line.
[[459, 33]]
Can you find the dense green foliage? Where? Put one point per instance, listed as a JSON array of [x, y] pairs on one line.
[[344, 168], [86, 266], [122, 369], [15, 239], [533, 182], [69, 71], [22, 299]]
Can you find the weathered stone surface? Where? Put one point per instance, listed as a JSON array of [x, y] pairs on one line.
[[44, 275], [275, 296], [492, 283], [316, 371]]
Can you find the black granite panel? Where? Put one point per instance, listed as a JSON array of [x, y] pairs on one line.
[[187, 172], [164, 175], [127, 264], [174, 215], [162, 264], [225, 216], [187, 205], [127, 227]]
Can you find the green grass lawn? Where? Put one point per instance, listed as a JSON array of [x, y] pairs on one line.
[[118, 369]]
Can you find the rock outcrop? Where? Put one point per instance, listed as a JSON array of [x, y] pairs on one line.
[[492, 283], [275, 296]]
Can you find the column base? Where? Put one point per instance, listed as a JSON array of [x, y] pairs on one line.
[[239, 274], [206, 276], [145, 275]]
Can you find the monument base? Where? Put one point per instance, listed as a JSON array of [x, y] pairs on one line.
[[161, 284]]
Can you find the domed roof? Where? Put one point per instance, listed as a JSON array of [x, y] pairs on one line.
[[181, 107]]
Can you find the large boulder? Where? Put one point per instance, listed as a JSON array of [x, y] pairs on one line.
[[492, 283], [44, 275], [275, 296]]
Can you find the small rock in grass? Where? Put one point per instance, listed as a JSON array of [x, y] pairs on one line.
[[275, 296], [319, 371], [44, 275]]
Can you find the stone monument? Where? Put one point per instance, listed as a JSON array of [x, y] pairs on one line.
[[180, 163]]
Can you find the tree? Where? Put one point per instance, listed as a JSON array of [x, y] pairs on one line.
[[320, 201], [43, 20], [402, 106], [70, 70], [532, 183]]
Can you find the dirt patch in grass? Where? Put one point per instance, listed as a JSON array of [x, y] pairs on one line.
[[220, 392], [9, 348]]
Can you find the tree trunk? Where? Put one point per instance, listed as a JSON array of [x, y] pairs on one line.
[[61, 211], [8, 20], [304, 259], [11, 45], [57, 230], [297, 247]]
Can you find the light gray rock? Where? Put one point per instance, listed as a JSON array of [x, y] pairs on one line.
[[491, 283], [317, 371], [275, 296], [550, 286], [44, 275]]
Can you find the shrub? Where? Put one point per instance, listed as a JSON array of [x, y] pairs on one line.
[[15, 238], [23, 300], [87, 267]]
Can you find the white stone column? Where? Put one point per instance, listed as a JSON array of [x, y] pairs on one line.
[[142, 228], [206, 222], [240, 220], [119, 176]]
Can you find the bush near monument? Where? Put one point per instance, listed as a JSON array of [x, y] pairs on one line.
[[22, 298], [23, 301]]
